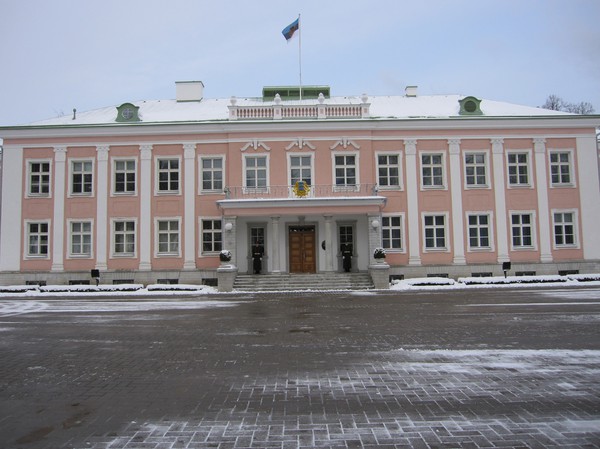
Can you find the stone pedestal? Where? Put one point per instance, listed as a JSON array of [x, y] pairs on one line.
[[226, 274], [380, 274]]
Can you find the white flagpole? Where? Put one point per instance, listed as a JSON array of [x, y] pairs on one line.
[[300, 53]]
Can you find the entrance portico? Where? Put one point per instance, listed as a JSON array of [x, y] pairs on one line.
[[301, 235]]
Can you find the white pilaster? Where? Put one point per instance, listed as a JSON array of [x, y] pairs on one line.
[[412, 192], [275, 246], [457, 207], [145, 242], [58, 221], [102, 194], [500, 198], [587, 175], [329, 245], [541, 182], [11, 227], [189, 236]]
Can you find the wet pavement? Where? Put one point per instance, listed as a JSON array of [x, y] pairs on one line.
[[459, 369]]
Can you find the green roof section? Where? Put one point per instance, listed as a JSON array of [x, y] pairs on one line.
[[293, 92]]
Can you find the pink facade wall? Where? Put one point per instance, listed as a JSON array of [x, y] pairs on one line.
[[229, 145]]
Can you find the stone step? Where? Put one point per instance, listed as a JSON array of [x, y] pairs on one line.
[[319, 281]]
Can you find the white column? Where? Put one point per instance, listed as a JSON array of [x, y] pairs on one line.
[[58, 221], [589, 194], [229, 237], [457, 207], [500, 198], [541, 182], [189, 237], [275, 246], [145, 243], [374, 229], [329, 245], [12, 201], [102, 192], [412, 192]]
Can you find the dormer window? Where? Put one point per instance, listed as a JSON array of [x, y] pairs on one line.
[[127, 112], [470, 106]]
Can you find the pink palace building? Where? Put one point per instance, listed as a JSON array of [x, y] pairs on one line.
[[153, 191]]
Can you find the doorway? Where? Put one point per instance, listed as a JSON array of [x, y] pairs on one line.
[[302, 244]]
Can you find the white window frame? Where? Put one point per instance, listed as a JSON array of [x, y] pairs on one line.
[[27, 234], [29, 193], [114, 176], [490, 228], [157, 233], [528, 165], [128, 255], [264, 189], [446, 247], [71, 254], [201, 170], [72, 173], [485, 165], [158, 171], [214, 252], [400, 185], [442, 164], [571, 153], [575, 224], [346, 187], [402, 248], [533, 225]]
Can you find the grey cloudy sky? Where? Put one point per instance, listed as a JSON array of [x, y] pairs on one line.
[[63, 54]]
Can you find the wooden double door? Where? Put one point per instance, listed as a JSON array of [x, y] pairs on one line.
[[303, 252]]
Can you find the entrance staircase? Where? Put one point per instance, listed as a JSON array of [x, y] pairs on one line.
[[288, 282]]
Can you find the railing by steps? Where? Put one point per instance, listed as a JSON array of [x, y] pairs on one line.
[[291, 282]]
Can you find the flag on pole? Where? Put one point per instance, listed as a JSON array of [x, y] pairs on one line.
[[289, 30]]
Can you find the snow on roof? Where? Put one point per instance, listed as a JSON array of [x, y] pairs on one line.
[[381, 107]]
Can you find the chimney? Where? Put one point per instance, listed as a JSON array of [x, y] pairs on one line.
[[189, 90], [411, 91]]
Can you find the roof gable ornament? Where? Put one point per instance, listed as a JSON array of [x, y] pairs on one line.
[[255, 144], [300, 143], [470, 106], [128, 112], [345, 142]]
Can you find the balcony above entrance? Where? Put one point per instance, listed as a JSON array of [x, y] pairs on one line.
[[316, 198]]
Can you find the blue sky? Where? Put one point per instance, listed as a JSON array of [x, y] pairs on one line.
[[63, 54]]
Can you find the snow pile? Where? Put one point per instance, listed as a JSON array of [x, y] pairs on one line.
[[117, 289], [431, 283]]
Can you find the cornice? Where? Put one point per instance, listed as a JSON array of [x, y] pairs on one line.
[[372, 124]]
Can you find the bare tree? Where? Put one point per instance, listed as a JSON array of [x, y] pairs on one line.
[[556, 103]]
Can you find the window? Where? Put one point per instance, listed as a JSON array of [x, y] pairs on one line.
[[345, 170], [432, 170], [212, 238], [39, 178], [212, 174], [388, 170], [522, 230], [564, 229], [168, 175], [81, 238], [346, 237], [168, 237], [300, 169], [479, 231], [518, 169], [475, 169], [256, 172], [124, 238], [560, 168], [81, 177], [435, 231], [125, 174], [37, 239], [391, 232]]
